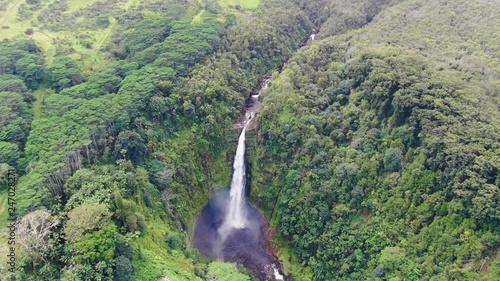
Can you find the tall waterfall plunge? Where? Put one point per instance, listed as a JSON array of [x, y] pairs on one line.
[[236, 216]]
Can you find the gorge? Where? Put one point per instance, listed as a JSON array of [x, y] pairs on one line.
[[231, 140], [229, 228]]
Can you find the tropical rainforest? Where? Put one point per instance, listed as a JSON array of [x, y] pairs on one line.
[[376, 152]]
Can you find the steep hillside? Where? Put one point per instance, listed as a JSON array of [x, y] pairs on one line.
[[115, 159], [378, 153]]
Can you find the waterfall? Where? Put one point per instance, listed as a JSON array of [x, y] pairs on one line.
[[277, 274], [236, 216]]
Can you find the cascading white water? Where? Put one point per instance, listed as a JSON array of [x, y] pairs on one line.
[[236, 216], [230, 229], [277, 274]]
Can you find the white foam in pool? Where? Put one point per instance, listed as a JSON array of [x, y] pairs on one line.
[[277, 274]]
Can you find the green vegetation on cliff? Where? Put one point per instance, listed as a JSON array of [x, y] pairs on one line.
[[376, 154], [122, 154], [378, 146]]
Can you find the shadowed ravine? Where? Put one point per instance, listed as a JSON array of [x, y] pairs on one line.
[[229, 228]]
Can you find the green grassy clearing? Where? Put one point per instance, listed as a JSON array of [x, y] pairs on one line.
[[197, 18], [10, 13], [248, 4], [50, 41], [40, 94], [78, 4]]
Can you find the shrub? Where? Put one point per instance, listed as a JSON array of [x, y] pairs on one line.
[[393, 159]]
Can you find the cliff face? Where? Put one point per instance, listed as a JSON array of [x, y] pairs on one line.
[[131, 130], [374, 153]]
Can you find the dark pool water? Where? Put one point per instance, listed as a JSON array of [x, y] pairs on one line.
[[245, 246]]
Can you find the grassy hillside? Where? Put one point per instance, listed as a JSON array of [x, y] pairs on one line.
[[81, 29], [117, 156], [248, 4], [64, 26]]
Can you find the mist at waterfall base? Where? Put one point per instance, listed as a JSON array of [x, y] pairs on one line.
[[242, 245], [230, 229]]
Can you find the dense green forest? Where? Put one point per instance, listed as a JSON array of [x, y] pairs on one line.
[[376, 154], [378, 146], [114, 160]]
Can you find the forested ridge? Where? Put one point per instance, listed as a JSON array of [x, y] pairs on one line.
[[381, 145], [120, 157], [376, 154]]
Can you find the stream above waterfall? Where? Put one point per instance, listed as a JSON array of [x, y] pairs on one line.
[[252, 104]]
